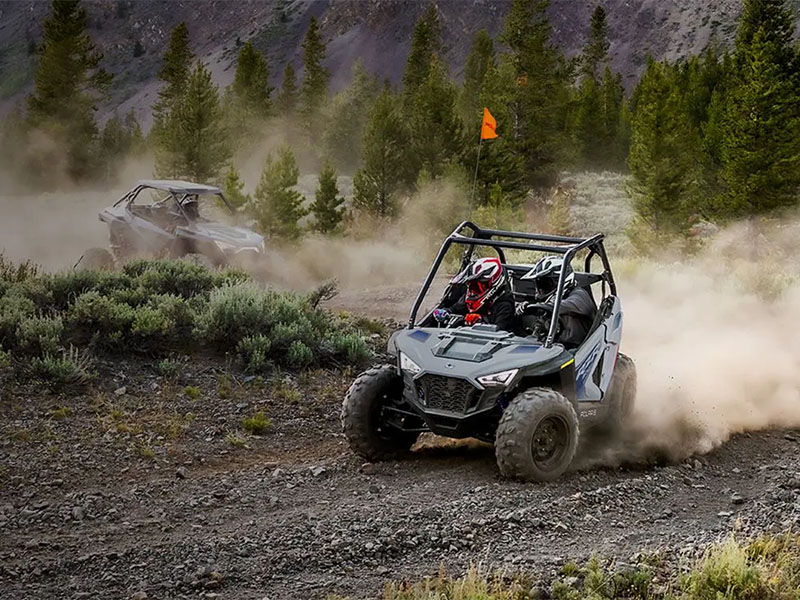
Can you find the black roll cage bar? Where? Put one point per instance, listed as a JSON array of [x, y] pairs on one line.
[[179, 198], [554, 244]]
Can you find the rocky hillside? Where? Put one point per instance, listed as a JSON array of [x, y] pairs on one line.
[[134, 33]]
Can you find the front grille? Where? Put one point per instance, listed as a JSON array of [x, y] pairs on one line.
[[445, 393]]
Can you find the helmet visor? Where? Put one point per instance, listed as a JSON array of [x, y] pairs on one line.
[[545, 286]]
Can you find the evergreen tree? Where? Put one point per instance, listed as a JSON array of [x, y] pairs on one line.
[[500, 162], [120, 139], [760, 134], [327, 206], [193, 143], [314, 90], [595, 53], [436, 129], [499, 211], [175, 71], [348, 118], [233, 189], [287, 98], [381, 176], [541, 93], [13, 137], [480, 59], [251, 83], [662, 156], [277, 206], [67, 85], [425, 44]]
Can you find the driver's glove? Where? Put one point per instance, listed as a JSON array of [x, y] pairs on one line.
[[441, 314], [521, 308]]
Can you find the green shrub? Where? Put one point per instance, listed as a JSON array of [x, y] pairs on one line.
[[70, 367], [99, 318], [254, 352], [257, 424], [12, 272], [67, 286], [192, 392], [152, 328], [39, 335], [301, 330], [13, 309], [350, 347], [299, 355], [169, 368], [5, 359], [727, 572], [178, 277], [232, 313]]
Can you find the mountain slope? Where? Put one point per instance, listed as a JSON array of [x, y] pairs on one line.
[[134, 34]]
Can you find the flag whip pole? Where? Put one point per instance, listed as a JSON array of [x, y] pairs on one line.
[[475, 177]]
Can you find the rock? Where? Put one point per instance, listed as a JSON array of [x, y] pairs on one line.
[[697, 465], [78, 513], [737, 498], [367, 468], [724, 513], [560, 527], [181, 472], [140, 595], [318, 470], [121, 391]]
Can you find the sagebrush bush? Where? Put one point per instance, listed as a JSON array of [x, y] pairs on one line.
[[39, 335], [254, 351], [98, 318], [68, 367], [160, 306], [299, 355]]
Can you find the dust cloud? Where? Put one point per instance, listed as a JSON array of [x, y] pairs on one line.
[[716, 340]]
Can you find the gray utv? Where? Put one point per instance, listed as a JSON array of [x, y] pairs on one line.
[[523, 392], [173, 220]]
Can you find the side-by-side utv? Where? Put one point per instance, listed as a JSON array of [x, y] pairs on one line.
[[521, 390]]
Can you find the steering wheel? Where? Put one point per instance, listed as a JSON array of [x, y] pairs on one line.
[[540, 316]]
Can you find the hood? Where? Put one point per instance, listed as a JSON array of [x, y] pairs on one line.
[[469, 352], [240, 237]]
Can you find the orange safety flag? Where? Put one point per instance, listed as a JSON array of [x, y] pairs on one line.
[[488, 126]]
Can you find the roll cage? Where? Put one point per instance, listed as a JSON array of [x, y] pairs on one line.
[[470, 235], [179, 193]]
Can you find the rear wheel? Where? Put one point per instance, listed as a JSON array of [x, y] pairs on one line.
[[96, 259], [365, 425], [621, 394], [537, 436]]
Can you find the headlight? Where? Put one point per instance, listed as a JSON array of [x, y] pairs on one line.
[[501, 378], [406, 364]]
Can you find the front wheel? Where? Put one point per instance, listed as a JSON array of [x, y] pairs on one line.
[[365, 425], [537, 436]]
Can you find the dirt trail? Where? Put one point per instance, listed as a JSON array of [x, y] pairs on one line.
[[298, 516]]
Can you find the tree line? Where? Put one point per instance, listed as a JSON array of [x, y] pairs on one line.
[[714, 136]]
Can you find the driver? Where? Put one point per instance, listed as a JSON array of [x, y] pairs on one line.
[[488, 298], [577, 306]]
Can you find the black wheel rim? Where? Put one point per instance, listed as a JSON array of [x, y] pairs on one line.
[[550, 442]]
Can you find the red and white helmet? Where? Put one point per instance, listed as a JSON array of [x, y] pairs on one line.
[[485, 279]]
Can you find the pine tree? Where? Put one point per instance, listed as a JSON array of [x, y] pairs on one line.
[[251, 83], [500, 162], [425, 44], [327, 207], [480, 59], [175, 71], [286, 101], [385, 160], [233, 189], [314, 90], [663, 147], [760, 132], [277, 206], [68, 83], [436, 130], [541, 94], [499, 211], [595, 53], [348, 117], [193, 143]]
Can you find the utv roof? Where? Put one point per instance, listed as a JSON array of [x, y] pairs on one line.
[[179, 187]]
